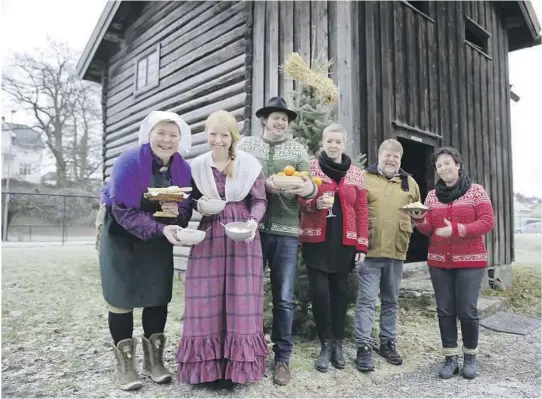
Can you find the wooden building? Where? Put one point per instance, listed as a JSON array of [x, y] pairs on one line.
[[427, 73]]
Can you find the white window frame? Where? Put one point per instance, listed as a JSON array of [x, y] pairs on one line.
[[25, 169], [141, 64]]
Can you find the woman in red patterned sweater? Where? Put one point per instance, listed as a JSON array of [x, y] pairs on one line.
[[334, 231], [459, 215]]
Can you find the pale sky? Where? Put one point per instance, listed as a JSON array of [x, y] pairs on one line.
[[26, 23]]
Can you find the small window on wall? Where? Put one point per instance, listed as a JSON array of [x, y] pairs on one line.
[[25, 169], [476, 36], [147, 71], [421, 6]]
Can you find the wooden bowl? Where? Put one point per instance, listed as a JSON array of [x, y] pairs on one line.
[[287, 182]]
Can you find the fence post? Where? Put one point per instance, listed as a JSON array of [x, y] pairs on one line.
[[30, 233], [64, 220]]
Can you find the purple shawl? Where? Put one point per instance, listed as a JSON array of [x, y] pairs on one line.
[[132, 174]]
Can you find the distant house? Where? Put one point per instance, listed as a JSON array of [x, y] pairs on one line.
[[22, 152], [521, 214]]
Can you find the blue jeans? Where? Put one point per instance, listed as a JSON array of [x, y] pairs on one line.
[[377, 275], [280, 253]]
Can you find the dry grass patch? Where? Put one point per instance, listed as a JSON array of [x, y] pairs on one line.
[[525, 292]]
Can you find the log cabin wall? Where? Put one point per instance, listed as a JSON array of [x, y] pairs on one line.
[[300, 26], [405, 69], [202, 54], [429, 82]]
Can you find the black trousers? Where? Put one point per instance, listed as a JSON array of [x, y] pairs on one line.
[[456, 294], [328, 291]]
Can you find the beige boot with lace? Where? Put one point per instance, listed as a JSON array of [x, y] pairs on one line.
[[153, 363], [126, 366]]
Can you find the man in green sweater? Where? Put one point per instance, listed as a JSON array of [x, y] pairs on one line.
[[279, 228]]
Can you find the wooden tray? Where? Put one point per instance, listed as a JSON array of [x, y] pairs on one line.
[[166, 197]]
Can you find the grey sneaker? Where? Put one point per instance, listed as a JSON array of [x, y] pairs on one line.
[[449, 368], [469, 366]]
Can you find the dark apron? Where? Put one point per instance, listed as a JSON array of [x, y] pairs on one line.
[[136, 273]]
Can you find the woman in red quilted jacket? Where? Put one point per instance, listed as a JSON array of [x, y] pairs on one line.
[[459, 215], [334, 231]]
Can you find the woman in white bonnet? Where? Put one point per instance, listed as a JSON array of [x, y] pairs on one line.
[[136, 248]]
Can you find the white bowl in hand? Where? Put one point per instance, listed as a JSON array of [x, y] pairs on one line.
[[211, 206], [190, 236], [238, 231]]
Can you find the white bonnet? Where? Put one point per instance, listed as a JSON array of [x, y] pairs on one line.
[[158, 116]]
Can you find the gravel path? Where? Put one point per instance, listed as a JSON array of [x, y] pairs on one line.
[[55, 343]]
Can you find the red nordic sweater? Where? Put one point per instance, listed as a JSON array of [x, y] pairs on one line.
[[471, 216], [353, 197]]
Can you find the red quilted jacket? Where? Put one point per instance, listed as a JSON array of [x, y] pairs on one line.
[[353, 197], [471, 216]]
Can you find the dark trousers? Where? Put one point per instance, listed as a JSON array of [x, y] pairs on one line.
[[328, 291], [456, 294], [280, 253], [121, 325]]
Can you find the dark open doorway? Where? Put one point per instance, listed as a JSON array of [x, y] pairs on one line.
[[417, 161]]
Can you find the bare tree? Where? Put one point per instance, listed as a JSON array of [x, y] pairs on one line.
[[64, 108]]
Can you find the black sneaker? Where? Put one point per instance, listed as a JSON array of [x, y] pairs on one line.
[[389, 352], [364, 359]]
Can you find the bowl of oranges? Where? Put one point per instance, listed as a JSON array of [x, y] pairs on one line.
[[290, 178]]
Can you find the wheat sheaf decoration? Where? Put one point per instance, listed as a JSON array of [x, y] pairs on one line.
[[296, 68]]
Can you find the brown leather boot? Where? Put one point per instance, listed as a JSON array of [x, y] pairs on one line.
[[282, 374], [126, 368], [153, 363]]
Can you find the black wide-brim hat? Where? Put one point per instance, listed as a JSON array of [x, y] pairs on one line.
[[276, 104]]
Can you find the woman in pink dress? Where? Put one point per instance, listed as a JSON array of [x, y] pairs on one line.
[[223, 323]]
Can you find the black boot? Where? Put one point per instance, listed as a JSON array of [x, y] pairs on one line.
[[337, 357], [322, 363], [389, 352], [364, 359], [449, 368]]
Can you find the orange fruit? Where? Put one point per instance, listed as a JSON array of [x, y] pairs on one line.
[[317, 180], [296, 173], [289, 170], [305, 173], [281, 174]]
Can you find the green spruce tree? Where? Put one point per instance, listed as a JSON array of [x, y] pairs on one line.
[[314, 113]]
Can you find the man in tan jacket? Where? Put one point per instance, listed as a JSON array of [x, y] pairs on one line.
[[388, 188]]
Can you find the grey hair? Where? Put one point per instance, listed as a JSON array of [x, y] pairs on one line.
[[336, 128], [391, 145]]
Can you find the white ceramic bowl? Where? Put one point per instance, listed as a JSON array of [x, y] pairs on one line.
[[237, 231], [191, 236], [211, 206]]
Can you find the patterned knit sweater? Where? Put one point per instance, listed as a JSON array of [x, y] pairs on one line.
[[471, 216], [282, 216]]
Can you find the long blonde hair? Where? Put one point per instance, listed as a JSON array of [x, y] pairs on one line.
[[226, 119]]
